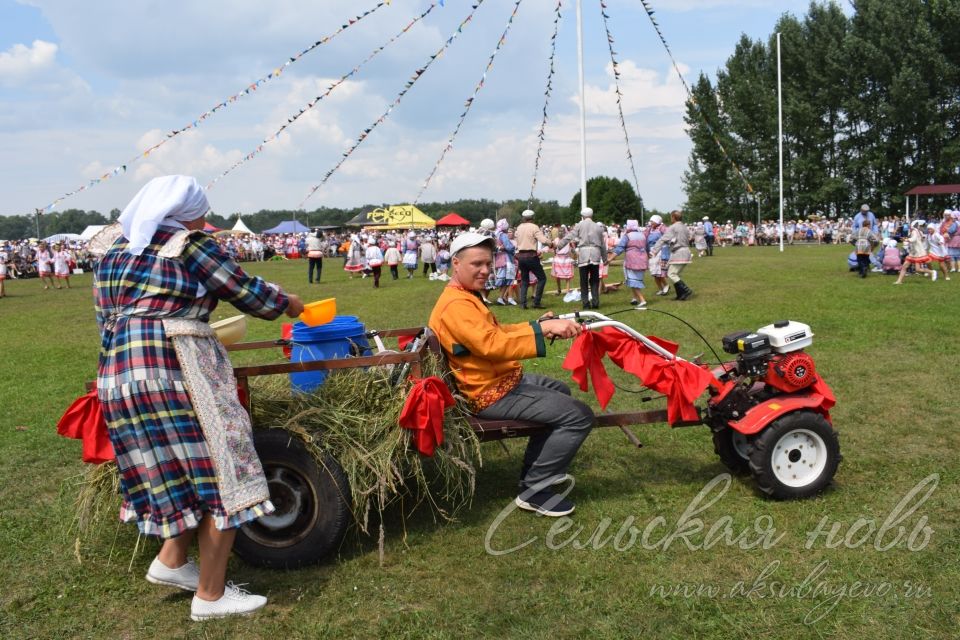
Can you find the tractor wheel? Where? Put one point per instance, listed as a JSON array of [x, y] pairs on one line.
[[733, 448], [312, 504], [796, 456]]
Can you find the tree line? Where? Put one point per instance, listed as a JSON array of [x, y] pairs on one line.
[[613, 200], [871, 108]]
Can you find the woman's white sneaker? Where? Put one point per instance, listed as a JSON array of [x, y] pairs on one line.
[[185, 577], [234, 602]]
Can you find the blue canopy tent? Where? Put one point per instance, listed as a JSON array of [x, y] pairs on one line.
[[288, 226]]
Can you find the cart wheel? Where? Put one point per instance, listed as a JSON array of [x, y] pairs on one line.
[[312, 504], [733, 448], [796, 456]]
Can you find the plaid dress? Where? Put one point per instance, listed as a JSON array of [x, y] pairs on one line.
[[167, 478]]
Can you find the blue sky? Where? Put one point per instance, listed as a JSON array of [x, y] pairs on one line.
[[85, 87]]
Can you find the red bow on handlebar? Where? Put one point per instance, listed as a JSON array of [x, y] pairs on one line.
[[681, 381]]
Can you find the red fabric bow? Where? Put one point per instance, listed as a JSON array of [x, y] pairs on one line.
[[423, 412], [681, 381], [84, 421]]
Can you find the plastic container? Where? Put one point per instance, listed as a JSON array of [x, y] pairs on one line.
[[787, 335], [342, 337]]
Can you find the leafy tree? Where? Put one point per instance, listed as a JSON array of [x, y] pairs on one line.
[[612, 200]]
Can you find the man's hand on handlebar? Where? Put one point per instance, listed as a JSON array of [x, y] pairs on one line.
[[556, 328]]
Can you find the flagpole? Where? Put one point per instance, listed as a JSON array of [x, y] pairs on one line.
[[780, 137], [583, 107]]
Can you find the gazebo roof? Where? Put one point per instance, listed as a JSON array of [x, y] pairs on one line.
[[933, 189]]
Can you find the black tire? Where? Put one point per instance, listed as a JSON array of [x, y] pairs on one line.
[[733, 448], [312, 503], [796, 456]]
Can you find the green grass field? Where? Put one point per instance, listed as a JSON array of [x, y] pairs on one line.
[[890, 354]]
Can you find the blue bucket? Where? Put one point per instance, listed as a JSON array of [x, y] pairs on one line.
[[336, 339]]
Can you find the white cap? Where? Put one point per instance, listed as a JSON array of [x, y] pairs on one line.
[[528, 213], [487, 224], [705, 218], [469, 239], [587, 212], [656, 219]]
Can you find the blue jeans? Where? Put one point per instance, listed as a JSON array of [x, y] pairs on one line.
[[541, 399]]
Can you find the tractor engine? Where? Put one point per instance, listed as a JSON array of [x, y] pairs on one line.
[[772, 356]]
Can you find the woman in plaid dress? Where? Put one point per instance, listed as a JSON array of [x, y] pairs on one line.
[[163, 267]]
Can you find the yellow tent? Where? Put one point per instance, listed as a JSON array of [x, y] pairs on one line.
[[403, 216]]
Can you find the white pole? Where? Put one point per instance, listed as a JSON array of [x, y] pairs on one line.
[[583, 111], [908, 208], [780, 139]]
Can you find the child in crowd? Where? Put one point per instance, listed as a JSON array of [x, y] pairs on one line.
[[392, 258], [890, 260], [916, 253], [443, 262], [563, 268]]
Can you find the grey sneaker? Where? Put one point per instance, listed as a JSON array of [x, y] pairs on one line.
[[235, 601], [185, 577]]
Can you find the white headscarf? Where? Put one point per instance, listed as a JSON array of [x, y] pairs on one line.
[[170, 199]]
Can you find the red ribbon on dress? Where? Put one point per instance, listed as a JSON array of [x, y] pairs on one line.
[[423, 412], [84, 421], [680, 381]]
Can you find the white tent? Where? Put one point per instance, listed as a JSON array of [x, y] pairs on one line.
[[60, 237], [240, 227], [91, 231]]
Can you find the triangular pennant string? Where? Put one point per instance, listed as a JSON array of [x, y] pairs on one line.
[[616, 80], [469, 102], [690, 98], [542, 134], [172, 134], [329, 90], [396, 101]]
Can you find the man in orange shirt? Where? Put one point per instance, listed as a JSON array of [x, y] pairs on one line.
[[483, 356]]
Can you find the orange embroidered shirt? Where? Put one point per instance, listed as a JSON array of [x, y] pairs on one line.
[[481, 352]]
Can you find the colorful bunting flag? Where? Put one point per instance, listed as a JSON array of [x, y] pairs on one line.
[[172, 134], [619, 94], [541, 136], [469, 102], [419, 73], [315, 101]]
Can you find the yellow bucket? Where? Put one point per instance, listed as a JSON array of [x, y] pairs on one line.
[[320, 312]]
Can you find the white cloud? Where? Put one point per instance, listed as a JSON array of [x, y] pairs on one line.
[[188, 154], [641, 88], [20, 62]]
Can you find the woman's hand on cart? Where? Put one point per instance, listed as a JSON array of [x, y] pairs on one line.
[[295, 308]]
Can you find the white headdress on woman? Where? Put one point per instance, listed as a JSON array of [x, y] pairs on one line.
[[169, 199]]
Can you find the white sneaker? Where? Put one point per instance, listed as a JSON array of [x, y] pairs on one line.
[[511, 301], [500, 301], [185, 577], [234, 601], [933, 276]]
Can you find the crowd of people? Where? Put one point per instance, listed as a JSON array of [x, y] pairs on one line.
[[896, 245]]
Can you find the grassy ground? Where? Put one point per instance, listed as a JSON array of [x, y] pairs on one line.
[[889, 353]]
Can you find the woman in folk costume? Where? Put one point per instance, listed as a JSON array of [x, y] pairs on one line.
[[411, 250], [488, 228], [634, 245], [183, 443], [504, 262], [700, 239], [45, 265], [355, 253], [937, 250], [61, 264], [916, 244], [658, 263], [950, 229], [677, 237]]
